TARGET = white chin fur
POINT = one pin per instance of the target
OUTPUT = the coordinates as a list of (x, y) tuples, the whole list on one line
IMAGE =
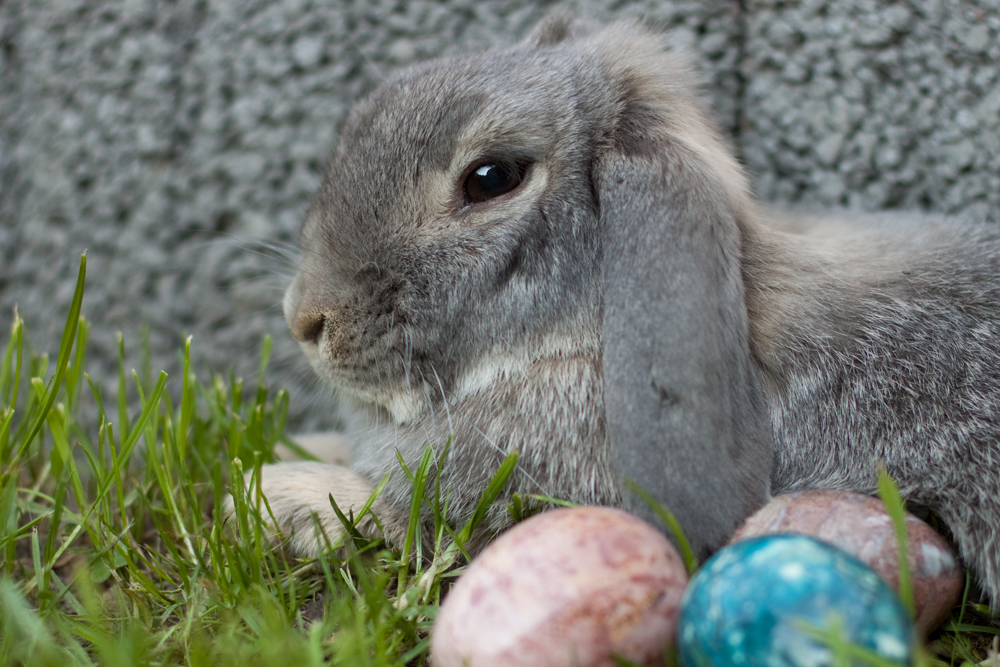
[(500, 364), (488, 370), (404, 405), (410, 404)]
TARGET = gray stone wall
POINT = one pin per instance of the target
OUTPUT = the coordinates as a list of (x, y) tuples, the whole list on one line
[(874, 104), (179, 142)]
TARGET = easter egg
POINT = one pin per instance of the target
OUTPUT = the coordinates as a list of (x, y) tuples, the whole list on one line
[(569, 587), (861, 526), (757, 603)]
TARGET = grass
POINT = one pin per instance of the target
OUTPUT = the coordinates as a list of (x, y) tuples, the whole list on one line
[(114, 550)]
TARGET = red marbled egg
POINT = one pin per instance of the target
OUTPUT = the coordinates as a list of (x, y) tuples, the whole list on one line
[(566, 587), (861, 526)]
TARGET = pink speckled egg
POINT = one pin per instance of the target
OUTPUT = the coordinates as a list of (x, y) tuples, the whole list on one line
[(566, 587), (860, 526)]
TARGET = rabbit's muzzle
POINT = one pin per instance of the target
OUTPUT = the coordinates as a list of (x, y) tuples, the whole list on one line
[(307, 326), (358, 342)]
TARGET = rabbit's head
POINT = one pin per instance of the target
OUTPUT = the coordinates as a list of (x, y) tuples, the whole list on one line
[(566, 196)]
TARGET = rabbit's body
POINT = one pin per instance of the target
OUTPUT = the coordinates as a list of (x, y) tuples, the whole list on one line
[(888, 353), (549, 249)]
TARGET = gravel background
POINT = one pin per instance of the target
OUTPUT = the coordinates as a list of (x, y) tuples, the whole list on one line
[(179, 142)]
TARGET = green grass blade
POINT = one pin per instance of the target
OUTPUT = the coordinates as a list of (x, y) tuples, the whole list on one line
[(8, 523), (24, 637), (489, 496), (350, 526), (187, 403), (150, 408), (6, 422), (65, 346), (74, 374), (265, 357), (123, 425), (845, 652), (413, 530), (95, 391), (889, 493), (57, 427), (670, 521), (10, 370), (549, 500)]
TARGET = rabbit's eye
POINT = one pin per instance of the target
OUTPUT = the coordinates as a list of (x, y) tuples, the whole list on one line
[(491, 180)]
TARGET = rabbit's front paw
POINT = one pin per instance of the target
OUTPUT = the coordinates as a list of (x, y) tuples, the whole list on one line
[(299, 490)]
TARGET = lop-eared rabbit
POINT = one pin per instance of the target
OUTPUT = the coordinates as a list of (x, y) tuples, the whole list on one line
[(550, 249)]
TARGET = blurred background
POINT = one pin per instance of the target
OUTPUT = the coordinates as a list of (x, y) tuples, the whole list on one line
[(179, 141)]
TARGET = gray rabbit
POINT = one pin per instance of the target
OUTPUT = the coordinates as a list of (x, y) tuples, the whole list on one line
[(550, 249)]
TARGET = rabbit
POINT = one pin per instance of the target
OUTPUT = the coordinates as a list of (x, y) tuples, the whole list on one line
[(550, 249)]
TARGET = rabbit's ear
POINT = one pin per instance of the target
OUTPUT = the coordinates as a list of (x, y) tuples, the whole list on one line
[(686, 418), (555, 28)]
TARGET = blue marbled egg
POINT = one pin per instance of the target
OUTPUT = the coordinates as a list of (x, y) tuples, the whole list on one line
[(748, 605)]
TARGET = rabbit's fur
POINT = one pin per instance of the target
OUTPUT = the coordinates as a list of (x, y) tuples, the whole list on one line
[(628, 310)]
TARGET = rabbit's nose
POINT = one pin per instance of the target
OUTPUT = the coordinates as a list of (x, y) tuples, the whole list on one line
[(307, 326)]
